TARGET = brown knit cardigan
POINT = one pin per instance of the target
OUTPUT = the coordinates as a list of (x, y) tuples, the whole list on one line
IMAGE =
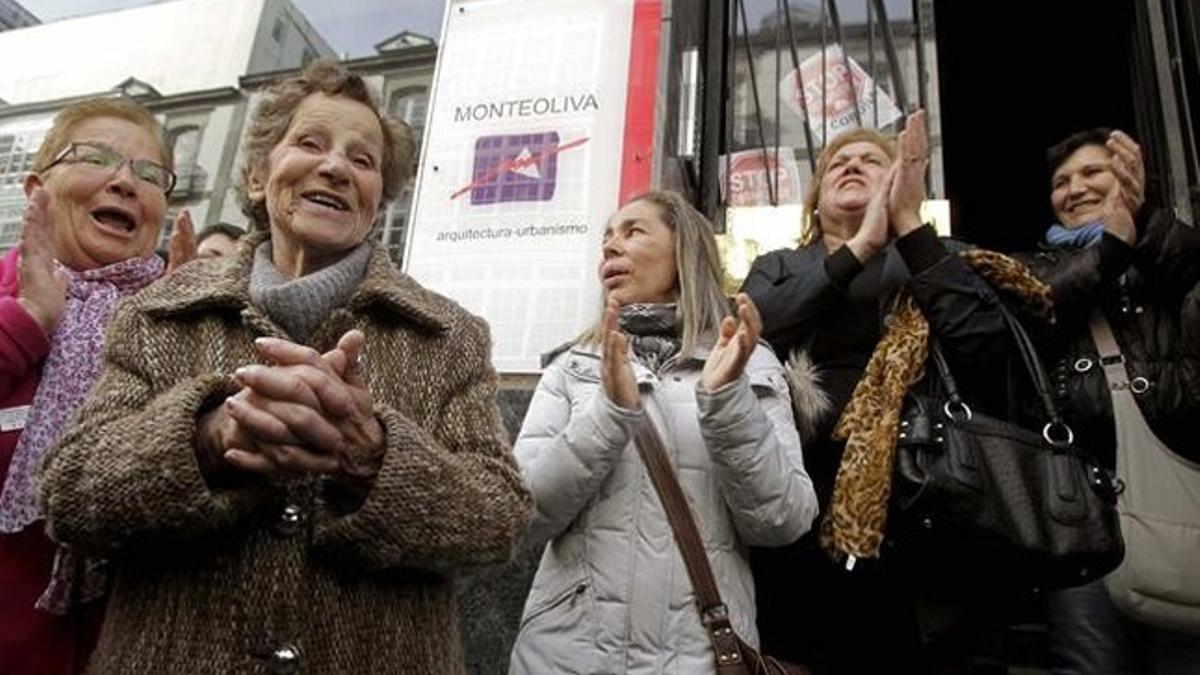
[(220, 578)]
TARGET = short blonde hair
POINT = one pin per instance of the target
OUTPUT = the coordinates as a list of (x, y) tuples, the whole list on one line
[(810, 231), (121, 108), (273, 116), (701, 304)]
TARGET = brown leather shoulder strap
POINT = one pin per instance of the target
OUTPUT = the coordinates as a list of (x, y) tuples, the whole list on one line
[(679, 514), (727, 647)]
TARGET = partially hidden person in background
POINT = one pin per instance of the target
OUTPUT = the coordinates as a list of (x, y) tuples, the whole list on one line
[(218, 240)]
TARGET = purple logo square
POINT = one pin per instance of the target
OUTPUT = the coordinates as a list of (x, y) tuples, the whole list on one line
[(515, 168)]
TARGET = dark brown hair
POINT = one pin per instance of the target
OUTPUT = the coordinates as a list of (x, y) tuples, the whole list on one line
[(1060, 151), (232, 231)]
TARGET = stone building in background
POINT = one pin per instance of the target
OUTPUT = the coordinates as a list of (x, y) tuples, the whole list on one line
[(203, 94)]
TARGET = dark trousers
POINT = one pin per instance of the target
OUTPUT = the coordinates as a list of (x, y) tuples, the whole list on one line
[(1090, 636), (815, 613)]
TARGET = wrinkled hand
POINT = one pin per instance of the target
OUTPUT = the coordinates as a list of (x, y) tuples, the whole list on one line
[(734, 346), (309, 413), (908, 189), (43, 290), (1130, 170), (182, 248), (216, 433), (616, 375), (310, 410), (872, 235)]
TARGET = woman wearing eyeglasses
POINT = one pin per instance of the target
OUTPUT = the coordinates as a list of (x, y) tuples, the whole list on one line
[(95, 211)]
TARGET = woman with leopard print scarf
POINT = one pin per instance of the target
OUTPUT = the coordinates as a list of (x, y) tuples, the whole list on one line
[(612, 594), (824, 305)]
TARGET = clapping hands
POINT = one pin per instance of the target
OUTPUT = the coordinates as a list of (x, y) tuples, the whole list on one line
[(726, 362), (182, 247), (894, 209), (307, 413), (43, 292), (735, 343), (907, 188), (1129, 190), (616, 374), (1126, 163)]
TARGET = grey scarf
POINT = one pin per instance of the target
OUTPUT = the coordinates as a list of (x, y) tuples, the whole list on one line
[(300, 305), (653, 330)]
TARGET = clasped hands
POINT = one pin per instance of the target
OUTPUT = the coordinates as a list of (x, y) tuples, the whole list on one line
[(735, 343), (309, 413)]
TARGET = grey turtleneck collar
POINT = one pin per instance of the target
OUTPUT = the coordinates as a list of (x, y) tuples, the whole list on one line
[(300, 305)]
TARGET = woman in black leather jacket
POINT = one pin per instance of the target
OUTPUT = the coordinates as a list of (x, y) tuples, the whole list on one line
[(1139, 266), (822, 306)]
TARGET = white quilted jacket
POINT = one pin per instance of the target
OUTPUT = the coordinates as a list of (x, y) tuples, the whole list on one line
[(611, 594)]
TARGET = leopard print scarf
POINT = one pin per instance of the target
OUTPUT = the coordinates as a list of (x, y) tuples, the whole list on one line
[(853, 526)]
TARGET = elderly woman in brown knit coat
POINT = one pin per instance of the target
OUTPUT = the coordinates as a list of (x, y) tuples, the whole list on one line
[(291, 450)]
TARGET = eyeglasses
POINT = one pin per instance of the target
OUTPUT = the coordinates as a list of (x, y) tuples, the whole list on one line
[(102, 157)]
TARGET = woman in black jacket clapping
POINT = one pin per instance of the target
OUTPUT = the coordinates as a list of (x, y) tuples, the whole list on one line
[(823, 306)]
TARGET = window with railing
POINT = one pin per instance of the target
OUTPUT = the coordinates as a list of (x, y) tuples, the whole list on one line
[(18, 148), (395, 227), (798, 74), (191, 177), (410, 105)]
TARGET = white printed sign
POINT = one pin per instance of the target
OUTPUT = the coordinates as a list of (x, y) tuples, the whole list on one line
[(830, 100), (521, 166)]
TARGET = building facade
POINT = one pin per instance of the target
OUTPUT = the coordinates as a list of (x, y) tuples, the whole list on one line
[(204, 111), (13, 15)]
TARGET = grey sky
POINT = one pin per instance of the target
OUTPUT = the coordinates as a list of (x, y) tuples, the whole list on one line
[(352, 26), (355, 26)]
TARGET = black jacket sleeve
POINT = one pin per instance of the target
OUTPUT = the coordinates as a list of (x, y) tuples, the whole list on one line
[(962, 309), (793, 289), (1167, 254), (1080, 279)]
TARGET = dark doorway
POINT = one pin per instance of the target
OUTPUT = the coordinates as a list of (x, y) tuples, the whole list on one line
[(1014, 79)]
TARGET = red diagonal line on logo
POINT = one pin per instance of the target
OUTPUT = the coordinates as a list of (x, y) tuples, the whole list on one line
[(511, 164)]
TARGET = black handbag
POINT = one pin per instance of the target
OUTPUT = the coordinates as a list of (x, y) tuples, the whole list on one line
[(980, 498)]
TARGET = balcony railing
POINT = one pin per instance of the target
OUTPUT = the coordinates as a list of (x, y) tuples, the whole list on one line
[(191, 181)]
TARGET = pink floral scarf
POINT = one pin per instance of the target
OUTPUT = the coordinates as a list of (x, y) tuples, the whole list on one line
[(70, 370)]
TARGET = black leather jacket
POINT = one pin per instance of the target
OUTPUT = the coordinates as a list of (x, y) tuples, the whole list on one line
[(795, 289), (1149, 294), (805, 296)]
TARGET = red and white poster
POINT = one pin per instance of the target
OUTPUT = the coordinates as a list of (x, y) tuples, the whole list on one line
[(750, 173), (830, 99), (541, 122)]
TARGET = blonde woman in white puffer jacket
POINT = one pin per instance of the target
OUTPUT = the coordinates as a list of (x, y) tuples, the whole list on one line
[(611, 594)]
